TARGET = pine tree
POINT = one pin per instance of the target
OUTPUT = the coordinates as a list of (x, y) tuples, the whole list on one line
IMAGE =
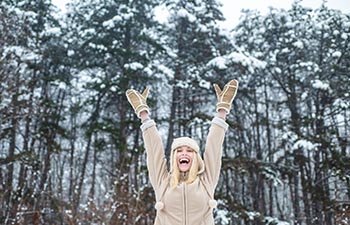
[(32, 76), (301, 48), (192, 39), (113, 45)]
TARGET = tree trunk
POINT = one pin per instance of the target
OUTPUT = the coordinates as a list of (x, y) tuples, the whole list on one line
[(8, 197), (173, 111)]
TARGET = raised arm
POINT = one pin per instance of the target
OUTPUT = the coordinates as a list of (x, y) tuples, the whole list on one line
[(156, 162), (215, 138)]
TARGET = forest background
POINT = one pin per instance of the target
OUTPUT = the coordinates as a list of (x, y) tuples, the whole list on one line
[(70, 145)]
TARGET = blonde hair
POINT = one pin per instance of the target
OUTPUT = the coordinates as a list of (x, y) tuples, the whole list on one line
[(175, 172)]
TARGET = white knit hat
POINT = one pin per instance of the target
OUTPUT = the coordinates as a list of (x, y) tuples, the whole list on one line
[(185, 141)]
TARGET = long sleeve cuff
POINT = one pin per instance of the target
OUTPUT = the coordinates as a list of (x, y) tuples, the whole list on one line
[(147, 124), (220, 122)]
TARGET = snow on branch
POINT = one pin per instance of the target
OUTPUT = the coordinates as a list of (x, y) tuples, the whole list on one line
[(321, 85), (305, 145), (225, 61)]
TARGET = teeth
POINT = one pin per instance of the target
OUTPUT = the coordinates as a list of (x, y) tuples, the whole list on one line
[(184, 160)]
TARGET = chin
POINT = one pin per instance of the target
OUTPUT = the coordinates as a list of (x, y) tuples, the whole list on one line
[(184, 170)]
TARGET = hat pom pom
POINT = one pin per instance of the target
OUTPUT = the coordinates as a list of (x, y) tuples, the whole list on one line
[(212, 203), (159, 205)]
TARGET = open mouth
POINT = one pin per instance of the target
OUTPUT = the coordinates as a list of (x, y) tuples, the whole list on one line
[(184, 161)]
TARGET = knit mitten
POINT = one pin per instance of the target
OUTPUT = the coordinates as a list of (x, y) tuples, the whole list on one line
[(138, 101), (226, 96)]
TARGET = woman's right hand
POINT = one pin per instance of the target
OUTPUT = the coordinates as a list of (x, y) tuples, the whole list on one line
[(138, 101)]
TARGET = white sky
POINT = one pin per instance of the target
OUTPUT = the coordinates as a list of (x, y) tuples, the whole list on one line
[(232, 8)]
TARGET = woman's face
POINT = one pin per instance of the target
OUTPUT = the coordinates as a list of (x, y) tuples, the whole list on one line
[(184, 158)]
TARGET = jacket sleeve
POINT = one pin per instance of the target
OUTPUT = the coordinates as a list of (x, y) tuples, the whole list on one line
[(213, 152), (156, 162)]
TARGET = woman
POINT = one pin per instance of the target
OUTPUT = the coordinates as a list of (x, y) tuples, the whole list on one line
[(185, 193)]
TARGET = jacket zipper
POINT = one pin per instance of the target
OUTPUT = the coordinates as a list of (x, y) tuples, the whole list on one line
[(185, 203)]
